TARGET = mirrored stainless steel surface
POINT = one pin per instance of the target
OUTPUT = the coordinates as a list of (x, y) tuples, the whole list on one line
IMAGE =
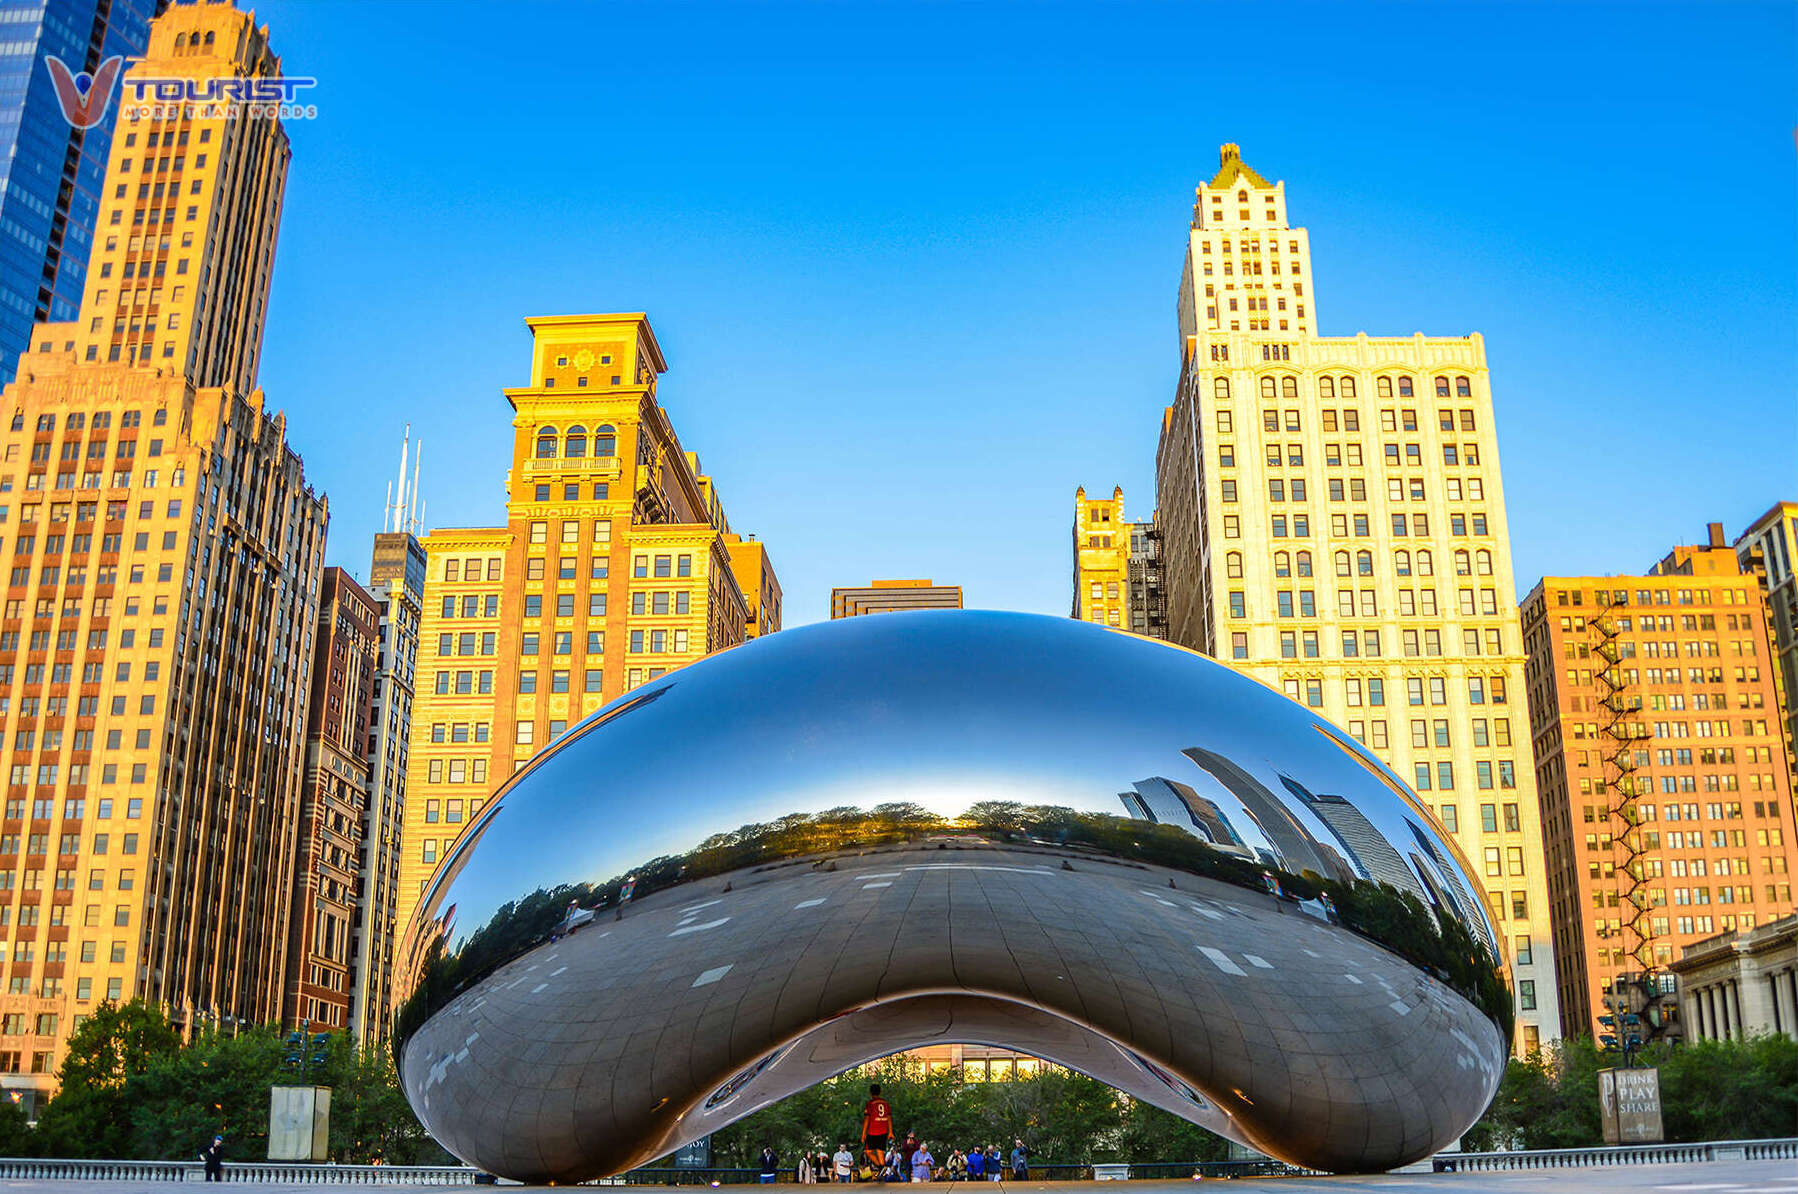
[(843, 840)]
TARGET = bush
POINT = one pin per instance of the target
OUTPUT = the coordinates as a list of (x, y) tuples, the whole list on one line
[(1710, 1090)]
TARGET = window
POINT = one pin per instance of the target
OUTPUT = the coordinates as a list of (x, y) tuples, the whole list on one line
[(546, 443)]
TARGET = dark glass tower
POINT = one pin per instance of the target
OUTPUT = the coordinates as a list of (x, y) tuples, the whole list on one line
[(51, 171)]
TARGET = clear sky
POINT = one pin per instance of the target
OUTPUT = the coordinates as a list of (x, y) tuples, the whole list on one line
[(914, 266)]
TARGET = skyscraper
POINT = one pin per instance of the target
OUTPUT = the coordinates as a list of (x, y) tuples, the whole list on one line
[(1333, 524), (327, 873), (156, 641), (614, 566), (1768, 550), (50, 168), (396, 581), (185, 248), (1666, 792), (1117, 567)]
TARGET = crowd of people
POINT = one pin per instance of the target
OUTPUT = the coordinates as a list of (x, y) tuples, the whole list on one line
[(887, 1157)]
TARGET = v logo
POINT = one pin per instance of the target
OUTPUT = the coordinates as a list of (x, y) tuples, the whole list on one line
[(84, 98)]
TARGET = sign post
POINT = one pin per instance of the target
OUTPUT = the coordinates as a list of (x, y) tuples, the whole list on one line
[(1629, 1103)]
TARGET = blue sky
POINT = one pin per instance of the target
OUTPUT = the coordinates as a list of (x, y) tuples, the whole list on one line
[(914, 266)]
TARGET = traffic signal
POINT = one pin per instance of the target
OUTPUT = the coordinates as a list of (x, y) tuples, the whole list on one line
[(296, 1048), (321, 1045)]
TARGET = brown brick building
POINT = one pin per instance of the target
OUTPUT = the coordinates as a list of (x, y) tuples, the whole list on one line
[(333, 804)]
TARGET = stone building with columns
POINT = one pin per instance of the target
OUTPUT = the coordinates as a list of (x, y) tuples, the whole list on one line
[(1741, 984)]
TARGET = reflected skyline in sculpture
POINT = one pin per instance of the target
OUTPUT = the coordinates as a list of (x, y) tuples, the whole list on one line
[(1149, 882)]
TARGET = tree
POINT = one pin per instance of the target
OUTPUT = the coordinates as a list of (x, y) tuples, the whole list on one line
[(1710, 1090), (114, 1045)]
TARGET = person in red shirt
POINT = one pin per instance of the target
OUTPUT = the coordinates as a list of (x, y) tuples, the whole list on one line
[(877, 1126)]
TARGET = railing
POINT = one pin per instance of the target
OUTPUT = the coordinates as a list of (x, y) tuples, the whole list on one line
[(1624, 1154), (281, 1172), (328, 1174)]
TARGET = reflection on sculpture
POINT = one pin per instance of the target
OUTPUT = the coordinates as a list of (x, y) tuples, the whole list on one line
[(853, 838)]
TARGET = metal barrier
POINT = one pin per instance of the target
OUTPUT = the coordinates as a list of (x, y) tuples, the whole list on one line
[(330, 1174), (273, 1172), (1626, 1154)]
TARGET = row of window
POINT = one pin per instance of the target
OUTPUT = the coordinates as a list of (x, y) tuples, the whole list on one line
[(571, 492), (1419, 690), (77, 420), (1286, 385), (572, 444), (1403, 526)]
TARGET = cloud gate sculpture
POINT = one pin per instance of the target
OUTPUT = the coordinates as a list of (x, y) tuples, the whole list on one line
[(848, 839)]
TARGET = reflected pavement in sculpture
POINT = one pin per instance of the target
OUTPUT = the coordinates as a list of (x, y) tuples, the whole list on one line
[(852, 838)]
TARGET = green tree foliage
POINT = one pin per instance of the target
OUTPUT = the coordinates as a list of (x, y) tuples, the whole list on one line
[(1065, 1118), (113, 1047), (130, 1089), (1710, 1090)]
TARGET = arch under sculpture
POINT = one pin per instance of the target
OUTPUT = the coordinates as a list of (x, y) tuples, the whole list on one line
[(843, 840)]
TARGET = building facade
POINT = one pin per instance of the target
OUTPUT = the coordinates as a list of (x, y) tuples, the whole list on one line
[(1333, 524), (1666, 794), (397, 584), (614, 566), (1768, 549), (327, 874), (1741, 984), (1117, 567), (893, 596), (761, 588), (156, 642), (51, 171)]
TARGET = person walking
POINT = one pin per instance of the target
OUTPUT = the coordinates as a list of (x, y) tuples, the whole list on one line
[(877, 1127), (770, 1171), (214, 1156), (1020, 1161), (976, 1164), (842, 1166), (921, 1163)]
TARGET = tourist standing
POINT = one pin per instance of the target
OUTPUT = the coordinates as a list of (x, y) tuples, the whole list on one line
[(976, 1164), (214, 1156), (995, 1163), (770, 1171), (921, 1163), (843, 1164), (802, 1172), (1020, 1161)]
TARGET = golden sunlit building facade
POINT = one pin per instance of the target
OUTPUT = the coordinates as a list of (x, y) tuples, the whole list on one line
[(184, 248), (1333, 524), (1117, 567), (616, 564), (1768, 550), (1666, 792), (165, 558)]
